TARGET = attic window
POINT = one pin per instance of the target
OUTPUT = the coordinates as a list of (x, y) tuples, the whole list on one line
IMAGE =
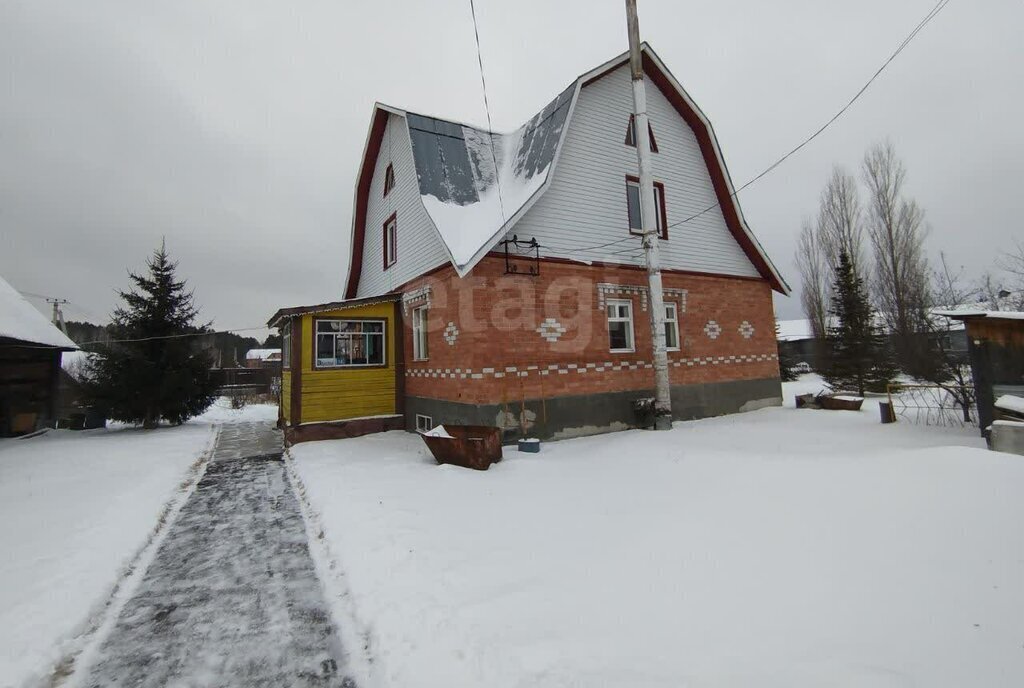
[(389, 179), (631, 134), (634, 209)]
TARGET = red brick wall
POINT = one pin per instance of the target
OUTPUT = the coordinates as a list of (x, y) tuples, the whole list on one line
[(498, 355)]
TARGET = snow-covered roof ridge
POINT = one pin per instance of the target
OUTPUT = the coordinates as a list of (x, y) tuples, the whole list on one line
[(476, 183), (20, 320), (261, 354)]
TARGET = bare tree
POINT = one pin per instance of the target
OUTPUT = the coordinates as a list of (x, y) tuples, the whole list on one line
[(895, 225), (988, 290), (948, 289), (815, 278), (839, 221), (1012, 262), (941, 364)]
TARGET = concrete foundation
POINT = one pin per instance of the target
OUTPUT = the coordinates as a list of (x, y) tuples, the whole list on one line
[(591, 414)]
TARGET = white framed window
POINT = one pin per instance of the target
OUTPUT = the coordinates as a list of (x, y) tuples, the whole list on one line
[(349, 343), (620, 325), (424, 423), (671, 327), (390, 241), (419, 333), (635, 210), (286, 344)]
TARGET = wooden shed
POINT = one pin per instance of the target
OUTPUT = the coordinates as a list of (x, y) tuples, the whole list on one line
[(342, 368), (30, 353), (995, 345)]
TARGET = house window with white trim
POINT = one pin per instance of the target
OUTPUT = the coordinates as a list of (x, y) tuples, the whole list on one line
[(390, 241), (419, 333), (671, 327), (424, 423), (620, 325), (635, 209), (349, 343)]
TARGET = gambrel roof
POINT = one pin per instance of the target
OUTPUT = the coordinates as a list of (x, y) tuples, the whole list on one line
[(475, 184)]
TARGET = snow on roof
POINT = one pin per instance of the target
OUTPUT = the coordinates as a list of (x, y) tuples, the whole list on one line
[(262, 354), (1009, 402), (473, 182), (793, 330), (972, 313), (19, 319)]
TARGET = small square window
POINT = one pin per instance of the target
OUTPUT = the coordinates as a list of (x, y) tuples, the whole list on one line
[(620, 326), (424, 423)]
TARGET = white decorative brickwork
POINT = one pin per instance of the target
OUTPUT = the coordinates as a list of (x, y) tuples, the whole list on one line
[(415, 297), (451, 333), (746, 329), (677, 296), (606, 290), (581, 368), (712, 329), (551, 330)]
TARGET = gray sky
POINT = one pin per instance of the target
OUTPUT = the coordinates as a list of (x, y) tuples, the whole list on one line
[(234, 128)]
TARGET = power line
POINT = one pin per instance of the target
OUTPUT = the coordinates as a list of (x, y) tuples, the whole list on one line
[(143, 339), (938, 7), (487, 108), (906, 41)]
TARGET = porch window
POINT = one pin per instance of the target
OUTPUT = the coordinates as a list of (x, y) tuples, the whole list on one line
[(390, 241), (620, 326), (419, 333), (635, 210), (671, 327), (286, 344), (389, 179), (349, 343)]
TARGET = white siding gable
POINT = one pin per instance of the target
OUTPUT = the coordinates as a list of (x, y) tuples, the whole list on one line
[(586, 202), (419, 248)]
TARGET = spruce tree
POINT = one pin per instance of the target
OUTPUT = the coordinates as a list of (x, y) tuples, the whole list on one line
[(786, 361), (150, 371), (859, 356)]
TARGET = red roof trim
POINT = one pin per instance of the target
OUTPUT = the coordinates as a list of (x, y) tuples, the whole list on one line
[(377, 127), (715, 169)]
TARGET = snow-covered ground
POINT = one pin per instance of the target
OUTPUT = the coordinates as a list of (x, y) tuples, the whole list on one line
[(75, 509), (777, 548)]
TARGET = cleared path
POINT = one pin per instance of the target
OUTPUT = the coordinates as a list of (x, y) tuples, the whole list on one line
[(232, 597)]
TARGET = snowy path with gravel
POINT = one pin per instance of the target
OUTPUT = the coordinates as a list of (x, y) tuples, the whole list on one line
[(232, 597)]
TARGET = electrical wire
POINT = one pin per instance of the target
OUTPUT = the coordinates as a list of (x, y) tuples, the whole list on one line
[(906, 41), (141, 339), (487, 108)]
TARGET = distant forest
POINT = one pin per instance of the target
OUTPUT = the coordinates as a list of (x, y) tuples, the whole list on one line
[(229, 348)]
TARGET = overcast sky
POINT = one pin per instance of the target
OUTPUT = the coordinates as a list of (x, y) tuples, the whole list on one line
[(234, 128)]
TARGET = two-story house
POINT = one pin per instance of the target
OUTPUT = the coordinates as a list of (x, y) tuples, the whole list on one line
[(499, 279)]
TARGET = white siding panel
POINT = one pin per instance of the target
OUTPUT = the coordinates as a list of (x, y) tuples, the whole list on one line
[(419, 248), (586, 202)]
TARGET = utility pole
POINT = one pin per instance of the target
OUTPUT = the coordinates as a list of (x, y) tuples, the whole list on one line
[(649, 226), (58, 316)]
